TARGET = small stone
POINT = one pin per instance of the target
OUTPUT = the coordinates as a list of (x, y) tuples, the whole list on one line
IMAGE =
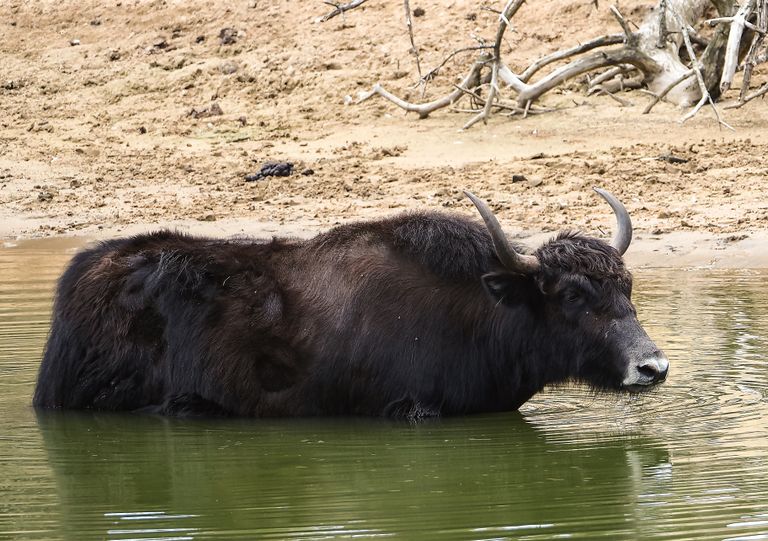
[(228, 36), (519, 178), (207, 218), (308, 172), (535, 182), (95, 22), (114, 54), (228, 68), (142, 130), (74, 42), (199, 39), (212, 110), (418, 12)]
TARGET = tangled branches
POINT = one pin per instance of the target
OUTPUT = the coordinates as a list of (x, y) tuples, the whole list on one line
[(658, 55)]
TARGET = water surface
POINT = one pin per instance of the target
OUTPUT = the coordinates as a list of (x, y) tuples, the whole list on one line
[(689, 461)]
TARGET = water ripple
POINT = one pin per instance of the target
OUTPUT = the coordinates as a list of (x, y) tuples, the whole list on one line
[(686, 461)]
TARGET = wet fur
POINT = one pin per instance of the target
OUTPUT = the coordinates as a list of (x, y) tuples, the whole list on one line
[(410, 316)]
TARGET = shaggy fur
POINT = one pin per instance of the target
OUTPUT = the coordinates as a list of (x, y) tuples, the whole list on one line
[(410, 316)]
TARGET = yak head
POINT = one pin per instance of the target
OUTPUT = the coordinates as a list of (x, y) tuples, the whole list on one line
[(579, 291)]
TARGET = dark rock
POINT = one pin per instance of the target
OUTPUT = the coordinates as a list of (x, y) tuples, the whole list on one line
[(308, 172), (272, 169), (519, 178), (228, 36), (213, 109), (199, 39), (418, 12), (142, 130)]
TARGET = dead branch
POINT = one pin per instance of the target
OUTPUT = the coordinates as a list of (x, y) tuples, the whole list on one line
[(592, 62), (341, 8), (622, 22), (662, 42), (734, 44), (752, 59), (622, 102), (660, 96), (696, 66), (653, 50), (507, 13), (424, 109), (608, 74), (602, 41), (415, 50), (756, 94), (431, 74)]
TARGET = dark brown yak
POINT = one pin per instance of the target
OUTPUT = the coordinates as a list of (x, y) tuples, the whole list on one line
[(422, 314)]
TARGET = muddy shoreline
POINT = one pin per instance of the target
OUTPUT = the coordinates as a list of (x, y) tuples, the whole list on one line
[(151, 120)]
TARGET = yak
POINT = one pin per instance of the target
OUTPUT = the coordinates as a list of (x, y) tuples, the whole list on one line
[(419, 315)]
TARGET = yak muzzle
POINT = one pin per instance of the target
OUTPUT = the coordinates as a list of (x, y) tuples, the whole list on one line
[(646, 372)]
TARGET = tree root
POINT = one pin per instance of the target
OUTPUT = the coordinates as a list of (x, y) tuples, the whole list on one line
[(651, 53)]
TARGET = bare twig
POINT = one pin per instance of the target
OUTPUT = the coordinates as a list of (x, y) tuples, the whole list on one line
[(424, 109), (622, 22), (609, 74), (602, 41), (431, 74), (684, 77), (510, 8), (341, 8), (415, 50), (705, 97), (624, 103), (762, 91)]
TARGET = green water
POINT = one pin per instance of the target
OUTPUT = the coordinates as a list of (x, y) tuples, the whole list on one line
[(689, 461)]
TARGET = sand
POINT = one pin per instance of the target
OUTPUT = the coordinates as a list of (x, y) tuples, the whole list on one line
[(105, 130)]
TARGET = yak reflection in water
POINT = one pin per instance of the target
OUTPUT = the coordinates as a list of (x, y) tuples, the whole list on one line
[(156, 477)]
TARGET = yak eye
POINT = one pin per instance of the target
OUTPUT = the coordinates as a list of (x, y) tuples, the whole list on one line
[(572, 296)]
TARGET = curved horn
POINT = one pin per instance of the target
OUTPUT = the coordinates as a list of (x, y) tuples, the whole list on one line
[(623, 235), (525, 264)]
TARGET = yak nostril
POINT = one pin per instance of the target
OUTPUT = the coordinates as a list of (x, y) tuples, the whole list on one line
[(649, 370), (655, 368)]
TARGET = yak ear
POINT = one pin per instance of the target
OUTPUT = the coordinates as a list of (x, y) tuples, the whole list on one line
[(508, 288)]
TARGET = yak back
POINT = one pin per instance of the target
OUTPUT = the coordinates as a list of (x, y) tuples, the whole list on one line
[(395, 313), (365, 317)]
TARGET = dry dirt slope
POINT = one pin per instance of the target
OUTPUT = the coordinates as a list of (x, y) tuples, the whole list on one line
[(112, 131)]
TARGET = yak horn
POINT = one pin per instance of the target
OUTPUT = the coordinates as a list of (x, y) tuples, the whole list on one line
[(623, 235), (521, 263)]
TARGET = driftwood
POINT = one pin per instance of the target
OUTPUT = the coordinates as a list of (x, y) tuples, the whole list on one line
[(646, 57)]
